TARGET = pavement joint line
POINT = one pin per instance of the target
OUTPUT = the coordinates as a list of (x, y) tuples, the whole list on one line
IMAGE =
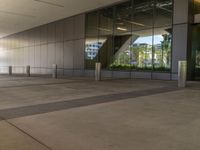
[(30, 85), (25, 133), (32, 79), (31, 110)]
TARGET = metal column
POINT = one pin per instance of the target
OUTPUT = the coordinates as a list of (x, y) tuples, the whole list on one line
[(182, 74), (54, 73), (10, 70), (98, 72), (28, 71)]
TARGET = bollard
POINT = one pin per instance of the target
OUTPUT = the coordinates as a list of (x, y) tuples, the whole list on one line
[(28, 71), (182, 74), (10, 70), (98, 72), (54, 73)]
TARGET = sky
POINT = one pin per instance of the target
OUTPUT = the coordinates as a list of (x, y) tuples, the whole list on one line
[(148, 39)]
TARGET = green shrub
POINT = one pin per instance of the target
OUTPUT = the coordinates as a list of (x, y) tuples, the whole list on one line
[(122, 67), (165, 69), (133, 67)]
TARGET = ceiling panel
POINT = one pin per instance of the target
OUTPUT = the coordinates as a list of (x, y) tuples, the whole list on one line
[(19, 15)]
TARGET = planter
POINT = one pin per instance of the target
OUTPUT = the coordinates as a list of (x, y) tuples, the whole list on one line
[(141, 75), (121, 74), (161, 76), (89, 73), (106, 74)]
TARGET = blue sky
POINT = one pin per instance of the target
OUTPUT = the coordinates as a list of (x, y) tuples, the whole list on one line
[(148, 39)]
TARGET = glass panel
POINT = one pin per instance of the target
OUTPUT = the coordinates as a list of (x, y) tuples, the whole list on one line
[(106, 35), (123, 23), (122, 35), (196, 52), (106, 21), (195, 56), (162, 48), (92, 23), (142, 14), (197, 67), (92, 47), (141, 49), (163, 13), (138, 55), (196, 6)]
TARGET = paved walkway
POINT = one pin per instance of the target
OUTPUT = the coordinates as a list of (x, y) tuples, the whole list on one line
[(78, 113)]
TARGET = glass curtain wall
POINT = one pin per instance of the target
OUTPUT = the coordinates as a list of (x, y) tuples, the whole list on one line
[(195, 57), (136, 34), (196, 52), (196, 9)]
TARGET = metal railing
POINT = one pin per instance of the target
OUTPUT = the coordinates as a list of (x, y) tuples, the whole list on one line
[(97, 74)]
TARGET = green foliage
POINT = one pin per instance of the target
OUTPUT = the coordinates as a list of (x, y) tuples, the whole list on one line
[(144, 69), (162, 69), (122, 67), (197, 69), (133, 67)]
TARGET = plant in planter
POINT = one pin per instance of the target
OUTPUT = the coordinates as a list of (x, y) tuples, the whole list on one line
[(133, 67)]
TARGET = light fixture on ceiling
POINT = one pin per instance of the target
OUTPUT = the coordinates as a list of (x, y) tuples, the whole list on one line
[(104, 29), (120, 23), (121, 29), (49, 3), (135, 23)]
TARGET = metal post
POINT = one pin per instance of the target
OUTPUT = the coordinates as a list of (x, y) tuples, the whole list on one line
[(182, 74), (10, 70), (28, 71), (54, 73), (98, 72)]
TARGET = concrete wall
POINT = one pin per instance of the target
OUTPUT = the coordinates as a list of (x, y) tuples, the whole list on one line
[(61, 42)]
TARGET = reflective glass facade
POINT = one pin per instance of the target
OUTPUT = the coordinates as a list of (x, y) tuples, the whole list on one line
[(136, 34), (196, 5), (195, 60)]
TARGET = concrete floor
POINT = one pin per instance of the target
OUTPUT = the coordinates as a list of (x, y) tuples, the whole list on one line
[(81, 114)]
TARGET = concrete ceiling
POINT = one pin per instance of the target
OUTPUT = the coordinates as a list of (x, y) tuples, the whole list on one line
[(20, 15)]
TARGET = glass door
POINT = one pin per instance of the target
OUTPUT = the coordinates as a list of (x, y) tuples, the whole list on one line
[(196, 51)]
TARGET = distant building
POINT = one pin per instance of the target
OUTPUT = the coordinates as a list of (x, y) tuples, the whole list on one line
[(92, 49)]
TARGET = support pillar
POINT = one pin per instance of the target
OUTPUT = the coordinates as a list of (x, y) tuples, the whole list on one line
[(28, 71), (54, 73), (182, 74), (98, 72), (10, 70)]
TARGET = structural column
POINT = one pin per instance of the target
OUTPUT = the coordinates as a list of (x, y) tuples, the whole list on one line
[(98, 72), (54, 69), (28, 71), (10, 70), (180, 34)]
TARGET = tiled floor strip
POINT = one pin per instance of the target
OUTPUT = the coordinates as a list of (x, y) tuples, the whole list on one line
[(63, 105)]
